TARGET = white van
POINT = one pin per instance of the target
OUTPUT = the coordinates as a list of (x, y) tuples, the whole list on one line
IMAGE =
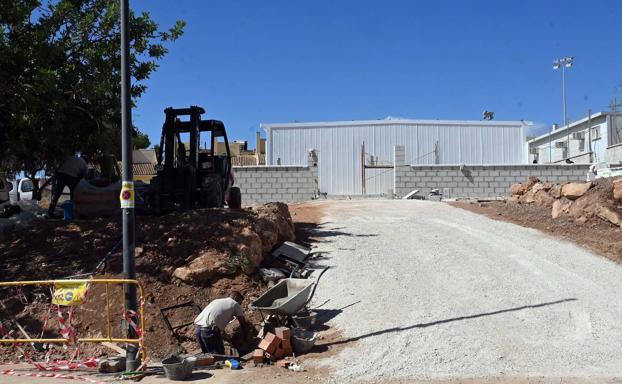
[(5, 187), (22, 190)]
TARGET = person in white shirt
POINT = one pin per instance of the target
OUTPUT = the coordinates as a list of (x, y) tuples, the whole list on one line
[(211, 322), (68, 175)]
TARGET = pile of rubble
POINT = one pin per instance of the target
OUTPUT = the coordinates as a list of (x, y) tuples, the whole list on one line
[(192, 256), (582, 201)]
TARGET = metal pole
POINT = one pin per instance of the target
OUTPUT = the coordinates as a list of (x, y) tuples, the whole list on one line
[(129, 243), (565, 118), (589, 134), (363, 192), (551, 144)]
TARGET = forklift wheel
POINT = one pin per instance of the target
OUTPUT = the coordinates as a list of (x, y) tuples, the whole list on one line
[(235, 198)]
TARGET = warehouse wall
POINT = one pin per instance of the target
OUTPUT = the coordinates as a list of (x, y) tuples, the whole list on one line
[(264, 184), (481, 181), (614, 154), (339, 146)]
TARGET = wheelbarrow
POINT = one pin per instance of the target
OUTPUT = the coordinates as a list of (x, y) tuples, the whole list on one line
[(287, 297)]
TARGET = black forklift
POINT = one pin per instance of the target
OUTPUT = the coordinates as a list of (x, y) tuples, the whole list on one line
[(188, 176)]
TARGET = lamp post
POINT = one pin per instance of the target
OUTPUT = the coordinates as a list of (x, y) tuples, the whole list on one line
[(563, 63), (127, 191)]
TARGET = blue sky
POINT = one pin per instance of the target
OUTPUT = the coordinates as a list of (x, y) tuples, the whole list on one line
[(252, 62)]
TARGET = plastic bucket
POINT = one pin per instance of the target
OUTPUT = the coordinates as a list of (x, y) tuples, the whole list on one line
[(68, 210), (178, 369), (302, 340), (305, 320)]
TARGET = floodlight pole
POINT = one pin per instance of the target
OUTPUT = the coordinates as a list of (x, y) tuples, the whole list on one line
[(564, 92), (129, 242), (563, 63)]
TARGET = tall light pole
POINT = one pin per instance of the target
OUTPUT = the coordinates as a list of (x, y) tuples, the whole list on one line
[(563, 63), (127, 190)]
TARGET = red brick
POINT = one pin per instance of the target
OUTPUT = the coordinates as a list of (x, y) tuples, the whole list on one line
[(286, 343), (269, 343), (258, 356), (280, 352), (271, 356), (283, 333), (287, 351)]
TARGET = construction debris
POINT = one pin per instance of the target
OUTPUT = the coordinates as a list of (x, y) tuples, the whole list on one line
[(596, 199), (219, 249)]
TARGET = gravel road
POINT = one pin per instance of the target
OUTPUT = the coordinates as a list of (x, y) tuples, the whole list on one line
[(422, 290)]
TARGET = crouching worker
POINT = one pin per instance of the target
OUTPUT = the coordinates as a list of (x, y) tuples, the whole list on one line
[(212, 321)]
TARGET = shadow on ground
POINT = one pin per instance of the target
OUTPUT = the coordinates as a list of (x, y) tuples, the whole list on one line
[(330, 314)]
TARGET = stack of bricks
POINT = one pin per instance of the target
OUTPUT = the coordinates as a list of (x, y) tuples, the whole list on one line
[(274, 346)]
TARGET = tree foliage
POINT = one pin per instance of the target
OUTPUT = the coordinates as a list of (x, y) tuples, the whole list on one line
[(60, 74), (140, 140)]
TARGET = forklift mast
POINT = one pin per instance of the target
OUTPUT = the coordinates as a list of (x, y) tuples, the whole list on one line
[(188, 172)]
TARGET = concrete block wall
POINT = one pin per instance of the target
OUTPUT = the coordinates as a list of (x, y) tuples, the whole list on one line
[(264, 184), (479, 181)]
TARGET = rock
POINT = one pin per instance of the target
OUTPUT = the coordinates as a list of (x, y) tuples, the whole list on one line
[(517, 189), (249, 246), (617, 189), (608, 215), (529, 197), (582, 207), (112, 365), (205, 268), (537, 187), (556, 211), (556, 191), (547, 185), (573, 191), (560, 207), (543, 199), (531, 181)]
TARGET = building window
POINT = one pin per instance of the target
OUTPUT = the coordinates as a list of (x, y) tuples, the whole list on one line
[(596, 133)]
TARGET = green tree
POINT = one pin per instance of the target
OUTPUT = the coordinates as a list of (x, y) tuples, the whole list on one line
[(60, 73), (140, 140)]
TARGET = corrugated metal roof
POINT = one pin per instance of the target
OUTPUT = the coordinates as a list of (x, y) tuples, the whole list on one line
[(346, 123)]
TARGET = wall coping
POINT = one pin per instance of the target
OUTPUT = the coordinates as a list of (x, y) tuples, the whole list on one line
[(466, 166), (269, 167)]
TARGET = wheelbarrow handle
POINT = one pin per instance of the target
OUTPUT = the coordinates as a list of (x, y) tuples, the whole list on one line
[(315, 286)]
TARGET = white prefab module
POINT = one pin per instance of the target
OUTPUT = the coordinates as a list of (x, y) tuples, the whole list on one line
[(339, 146)]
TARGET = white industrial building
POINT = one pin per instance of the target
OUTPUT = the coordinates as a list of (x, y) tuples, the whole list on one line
[(592, 139), (339, 144)]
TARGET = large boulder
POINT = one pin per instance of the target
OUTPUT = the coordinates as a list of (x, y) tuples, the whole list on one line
[(205, 268), (560, 206), (531, 181), (617, 189), (518, 189), (529, 197), (556, 191), (537, 187), (249, 250), (542, 198), (608, 215), (573, 191)]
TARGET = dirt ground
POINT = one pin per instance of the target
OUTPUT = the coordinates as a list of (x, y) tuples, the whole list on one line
[(160, 291), (596, 235), (56, 249)]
